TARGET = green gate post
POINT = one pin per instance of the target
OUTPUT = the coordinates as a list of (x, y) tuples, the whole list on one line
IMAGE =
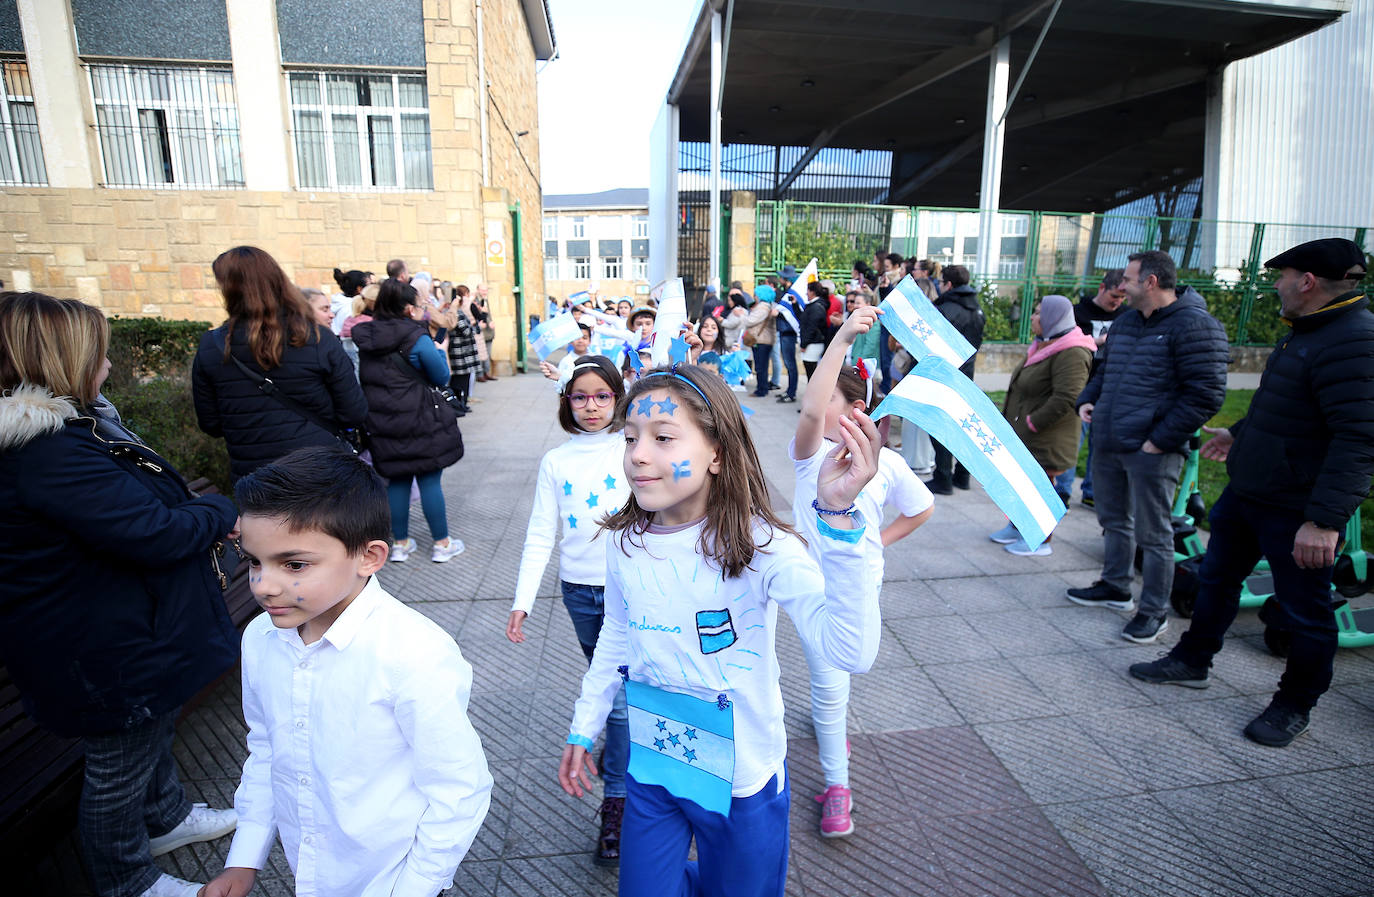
[(519, 264), (1360, 233), (1028, 278), (723, 275), (1151, 234), (1247, 302)]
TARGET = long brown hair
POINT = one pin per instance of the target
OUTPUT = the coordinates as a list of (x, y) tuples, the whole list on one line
[(738, 500), (258, 293), (59, 344)]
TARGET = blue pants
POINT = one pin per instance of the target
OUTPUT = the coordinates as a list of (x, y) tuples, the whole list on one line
[(762, 355), (431, 502), (1063, 484), (788, 342), (1242, 531), (587, 607), (742, 855)]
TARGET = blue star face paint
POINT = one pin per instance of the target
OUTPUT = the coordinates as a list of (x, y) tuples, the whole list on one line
[(681, 470), (667, 406), (645, 406)]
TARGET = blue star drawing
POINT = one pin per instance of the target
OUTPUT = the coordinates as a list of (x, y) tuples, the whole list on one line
[(677, 350), (610, 482), (662, 726), (922, 329), (667, 406), (572, 522), (681, 469), (659, 743), (567, 488), (689, 755), (591, 499), (690, 733), (991, 444), (970, 423), (674, 740), (645, 406)]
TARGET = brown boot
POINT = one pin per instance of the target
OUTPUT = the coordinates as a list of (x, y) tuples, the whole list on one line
[(608, 844)]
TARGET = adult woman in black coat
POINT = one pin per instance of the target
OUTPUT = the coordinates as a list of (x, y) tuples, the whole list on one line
[(111, 613), (413, 435), (314, 395)]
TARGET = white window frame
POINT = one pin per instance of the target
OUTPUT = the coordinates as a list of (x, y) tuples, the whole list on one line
[(612, 267), (327, 111), (579, 228), (581, 268), (551, 268), (550, 227), (1015, 225), (639, 268), (641, 227), (12, 78), (127, 78)]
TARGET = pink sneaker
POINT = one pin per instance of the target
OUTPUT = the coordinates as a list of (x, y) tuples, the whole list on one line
[(835, 819)]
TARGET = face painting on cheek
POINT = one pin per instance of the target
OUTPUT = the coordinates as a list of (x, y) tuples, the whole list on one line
[(681, 469)]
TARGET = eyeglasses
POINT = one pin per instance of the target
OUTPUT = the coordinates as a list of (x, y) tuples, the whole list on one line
[(602, 399)]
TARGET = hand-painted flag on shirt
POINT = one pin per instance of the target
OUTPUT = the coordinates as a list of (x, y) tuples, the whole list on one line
[(683, 744), (919, 326), (936, 397), (553, 335)]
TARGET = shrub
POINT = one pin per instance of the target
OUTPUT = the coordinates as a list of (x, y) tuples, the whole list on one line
[(143, 348)]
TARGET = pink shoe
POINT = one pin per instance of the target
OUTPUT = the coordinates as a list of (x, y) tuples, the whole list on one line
[(835, 819)]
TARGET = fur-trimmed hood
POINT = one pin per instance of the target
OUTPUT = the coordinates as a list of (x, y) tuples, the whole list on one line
[(28, 412)]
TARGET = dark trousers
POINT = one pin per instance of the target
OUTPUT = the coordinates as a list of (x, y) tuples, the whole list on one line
[(131, 792), (788, 342), (810, 368), (762, 356), (945, 465), (1242, 532), (885, 354)]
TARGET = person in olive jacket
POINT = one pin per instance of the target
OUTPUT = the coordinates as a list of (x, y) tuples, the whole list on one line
[(313, 395), (1299, 463), (111, 612), (1040, 399)]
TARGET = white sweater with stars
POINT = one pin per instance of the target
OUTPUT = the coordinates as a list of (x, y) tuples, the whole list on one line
[(578, 482)]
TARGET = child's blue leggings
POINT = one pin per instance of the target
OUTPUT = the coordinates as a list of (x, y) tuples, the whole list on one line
[(742, 855), (431, 502)]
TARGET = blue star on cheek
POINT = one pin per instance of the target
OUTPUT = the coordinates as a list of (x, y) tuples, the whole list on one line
[(681, 469), (667, 406), (567, 488), (645, 406), (689, 755), (591, 499), (660, 744), (690, 733), (610, 482), (572, 522), (662, 726), (674, 741)]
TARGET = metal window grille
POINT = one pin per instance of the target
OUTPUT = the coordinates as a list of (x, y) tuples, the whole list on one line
[(21, 155), (365, 131), (581, 268), (167, 127), (610, 267)]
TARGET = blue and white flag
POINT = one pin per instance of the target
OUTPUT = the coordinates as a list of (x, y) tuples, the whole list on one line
[(613, 347), (797, 294), (579, 297), (683, 744), (912, 318), (936, 397), (553, 335)]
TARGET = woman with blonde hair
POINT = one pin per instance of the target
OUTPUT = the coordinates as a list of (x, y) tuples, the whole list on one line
[(270, 379), (111, 614)]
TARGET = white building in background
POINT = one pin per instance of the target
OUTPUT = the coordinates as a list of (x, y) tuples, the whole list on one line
[(597, 241)]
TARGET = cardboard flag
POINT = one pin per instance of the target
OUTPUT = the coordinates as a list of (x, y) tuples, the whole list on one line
[(798, 291), (553, 335), (914, 319), (579, 297), (936, 397), (613, 347), (734, 367), (672, 314)]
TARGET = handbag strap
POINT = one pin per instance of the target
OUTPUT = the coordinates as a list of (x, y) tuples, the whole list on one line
[(269, 388), (401, 361)]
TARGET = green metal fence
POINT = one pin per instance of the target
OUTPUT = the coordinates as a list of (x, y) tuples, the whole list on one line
[(1045, 252)]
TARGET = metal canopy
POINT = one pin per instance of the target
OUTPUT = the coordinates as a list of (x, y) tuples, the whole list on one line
[(1112, 108)]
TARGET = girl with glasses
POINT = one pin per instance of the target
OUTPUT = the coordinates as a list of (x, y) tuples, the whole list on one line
[(579, 483)]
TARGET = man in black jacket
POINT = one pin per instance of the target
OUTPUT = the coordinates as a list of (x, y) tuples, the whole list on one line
[(1162, 375), (1300, 463), (958, 302)]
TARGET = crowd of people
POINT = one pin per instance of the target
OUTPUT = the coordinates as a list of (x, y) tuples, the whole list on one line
[(338, 411)]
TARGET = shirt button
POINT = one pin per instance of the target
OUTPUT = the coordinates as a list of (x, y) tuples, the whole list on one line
[(308, 840), (305, 780), (300, 724), (305, 664)]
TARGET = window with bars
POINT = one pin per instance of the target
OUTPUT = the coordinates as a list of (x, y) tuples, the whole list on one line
[(639, 268), (368, 131), (581, 268), (610, 267), (167, 127), (551, 269), (21, 156)]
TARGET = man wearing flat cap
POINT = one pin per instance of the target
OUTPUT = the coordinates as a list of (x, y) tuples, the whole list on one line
[(1300, 463)]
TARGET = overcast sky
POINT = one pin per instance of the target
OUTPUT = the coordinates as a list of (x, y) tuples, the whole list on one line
[(598, 99)]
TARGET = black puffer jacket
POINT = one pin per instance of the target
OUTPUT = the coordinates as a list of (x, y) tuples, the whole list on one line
[(256, 427), (815, 328), (409, 431), (1160, 378), (1307, 442), (960, 307)]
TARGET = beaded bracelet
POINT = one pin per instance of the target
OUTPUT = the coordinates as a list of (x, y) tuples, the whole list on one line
[(816, 506)]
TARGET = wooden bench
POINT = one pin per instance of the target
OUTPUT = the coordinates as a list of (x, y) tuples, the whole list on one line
[(43, 772)]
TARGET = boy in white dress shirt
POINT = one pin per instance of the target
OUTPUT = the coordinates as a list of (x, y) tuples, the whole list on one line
[(361, 756)]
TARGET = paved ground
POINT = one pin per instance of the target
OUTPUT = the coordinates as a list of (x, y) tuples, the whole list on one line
[(999, 746)]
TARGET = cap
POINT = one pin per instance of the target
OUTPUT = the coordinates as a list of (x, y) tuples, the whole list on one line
[(1332, 258), (789, 272)]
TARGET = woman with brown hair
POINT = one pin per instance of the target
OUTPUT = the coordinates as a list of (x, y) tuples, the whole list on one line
[(269, 379)]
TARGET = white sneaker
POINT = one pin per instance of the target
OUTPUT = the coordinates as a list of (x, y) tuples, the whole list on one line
[(203, 824), (442, 554), (1019, 547), (171, 886), (401, 551)]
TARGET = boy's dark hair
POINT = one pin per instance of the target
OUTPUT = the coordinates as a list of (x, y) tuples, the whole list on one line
[(956, 275), (604, 368), (818, 289), (394, 299), (585, 328), (323, 489), (1160, 264), (895, 258)]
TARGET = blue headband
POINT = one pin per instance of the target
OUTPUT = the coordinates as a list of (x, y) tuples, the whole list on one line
[(673, 373)]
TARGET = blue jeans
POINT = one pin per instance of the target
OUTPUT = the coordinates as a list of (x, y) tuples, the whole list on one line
[(885, 354), (1242, 532), (762, 355), (1063, 484), (776, 357), (788, 342), (587, 607), (431, 502), (131, 791), (740, 855)]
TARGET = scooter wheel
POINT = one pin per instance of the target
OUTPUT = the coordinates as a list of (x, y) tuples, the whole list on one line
[(1277, 641), (1183, 604), (1343, 578)]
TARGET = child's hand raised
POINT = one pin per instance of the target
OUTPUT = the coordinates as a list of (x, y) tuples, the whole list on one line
[(848, 469), (860, 320), (576, 770)]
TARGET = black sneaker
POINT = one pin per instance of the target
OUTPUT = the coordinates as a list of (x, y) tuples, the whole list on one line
[(786, 398), (1277, 726), (961, 479), (1102, 594), (1169, 670), (1087, 501), (608, 841), (1144, 629), (940, 486)]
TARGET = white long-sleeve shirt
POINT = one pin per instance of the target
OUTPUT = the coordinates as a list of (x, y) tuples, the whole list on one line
[(658, 584), (360, 753), (578, 482)]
